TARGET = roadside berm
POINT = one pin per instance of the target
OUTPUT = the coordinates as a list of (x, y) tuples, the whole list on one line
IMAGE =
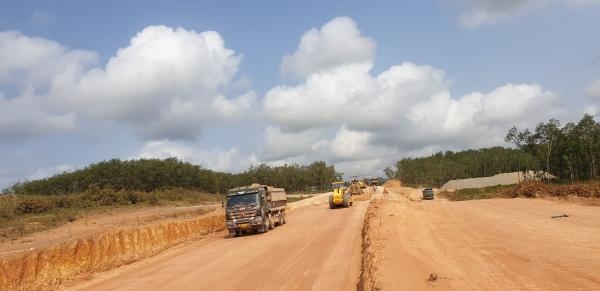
[(78, 258)]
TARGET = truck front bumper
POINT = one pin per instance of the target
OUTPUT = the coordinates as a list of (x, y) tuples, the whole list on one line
[(245, 223)]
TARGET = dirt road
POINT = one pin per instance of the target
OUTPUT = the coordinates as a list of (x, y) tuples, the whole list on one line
[(495, 244), (318, 249)]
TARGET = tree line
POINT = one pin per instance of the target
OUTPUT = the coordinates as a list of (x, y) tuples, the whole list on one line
[(439, 168), (570, 152), (155, 174)]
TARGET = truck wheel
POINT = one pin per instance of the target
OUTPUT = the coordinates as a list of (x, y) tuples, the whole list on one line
[(237, 233), (265, 227), (331, 206), (271, 223)]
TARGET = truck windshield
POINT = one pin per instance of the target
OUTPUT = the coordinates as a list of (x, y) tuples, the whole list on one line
[(242, 199)]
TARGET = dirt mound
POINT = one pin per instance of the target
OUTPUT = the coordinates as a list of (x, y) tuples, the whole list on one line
[(535, 189), (393, 183)]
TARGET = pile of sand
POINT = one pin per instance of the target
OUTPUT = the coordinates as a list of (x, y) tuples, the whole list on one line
[(395, 183), (499, 179)]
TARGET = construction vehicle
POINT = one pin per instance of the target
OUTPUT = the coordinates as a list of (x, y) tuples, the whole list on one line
[(427, 194), (340, 196), (374, 181), (355, 186), (254, 208)]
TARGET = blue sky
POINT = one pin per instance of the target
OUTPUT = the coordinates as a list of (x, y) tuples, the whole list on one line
[(433, 75)]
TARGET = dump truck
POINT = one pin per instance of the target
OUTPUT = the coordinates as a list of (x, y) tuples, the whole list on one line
[(254, 208), (340, 196)]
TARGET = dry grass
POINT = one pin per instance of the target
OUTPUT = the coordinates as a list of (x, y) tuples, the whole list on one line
[(24, 214)]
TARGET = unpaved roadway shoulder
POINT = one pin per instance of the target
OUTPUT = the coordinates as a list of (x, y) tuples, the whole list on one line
[(495, 244)]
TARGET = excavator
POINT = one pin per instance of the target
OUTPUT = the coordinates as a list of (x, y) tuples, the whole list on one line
[(340, 196)]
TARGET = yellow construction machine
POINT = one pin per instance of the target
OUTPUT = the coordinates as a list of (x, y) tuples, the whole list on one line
[(340, 196), (356, 186)]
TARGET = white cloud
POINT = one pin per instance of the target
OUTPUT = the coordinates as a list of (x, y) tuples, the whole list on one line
[(24, 116), (593, 90), (337, 42), (33, 61), (167, 83), (405, 109), (278, 145), (231, 160)]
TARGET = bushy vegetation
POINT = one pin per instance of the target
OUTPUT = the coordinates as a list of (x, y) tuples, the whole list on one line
[(570, 152), (41, 204), (441, 167), (149, 175)]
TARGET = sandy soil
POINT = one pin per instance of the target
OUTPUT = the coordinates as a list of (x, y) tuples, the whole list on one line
[(318, 249), (496, 244), (99, 222)]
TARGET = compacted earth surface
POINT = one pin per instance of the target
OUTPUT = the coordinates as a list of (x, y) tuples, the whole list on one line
[(494, 244), (318, 249)]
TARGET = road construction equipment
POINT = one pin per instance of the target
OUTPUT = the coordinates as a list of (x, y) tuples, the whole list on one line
[(374, 181), (427, 194), (355, 186), (256, 207), (340, 196)]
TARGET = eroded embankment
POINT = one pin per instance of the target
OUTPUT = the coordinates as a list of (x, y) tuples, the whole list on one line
[(67, 261)]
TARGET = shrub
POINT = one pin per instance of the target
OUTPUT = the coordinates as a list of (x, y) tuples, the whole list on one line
[(7, 207), (34, 205)]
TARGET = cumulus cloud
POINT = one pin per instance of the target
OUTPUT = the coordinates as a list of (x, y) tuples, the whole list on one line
[(24, 116), (231, 160), (278, 145), (405, 109), (338, 42), (168, 83), (593, 90), (33, 61)]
